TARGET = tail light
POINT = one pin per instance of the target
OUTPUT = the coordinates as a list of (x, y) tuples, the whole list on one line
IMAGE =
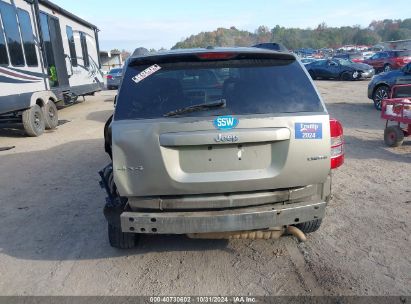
[(402, 60), (109, 77), (406, 59), (337, 143)]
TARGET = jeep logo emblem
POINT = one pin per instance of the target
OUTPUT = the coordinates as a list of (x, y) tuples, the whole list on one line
[(226, 138), (225, 122)]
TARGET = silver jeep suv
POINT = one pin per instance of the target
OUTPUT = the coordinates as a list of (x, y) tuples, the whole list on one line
[(225, 141)]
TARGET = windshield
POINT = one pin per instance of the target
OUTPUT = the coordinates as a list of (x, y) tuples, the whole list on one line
[(345, 62), (247, 86)]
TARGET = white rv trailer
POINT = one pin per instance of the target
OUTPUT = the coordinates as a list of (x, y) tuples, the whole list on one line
[(48, 57)]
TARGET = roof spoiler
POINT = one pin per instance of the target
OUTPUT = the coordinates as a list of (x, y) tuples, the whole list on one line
[(208, 55)]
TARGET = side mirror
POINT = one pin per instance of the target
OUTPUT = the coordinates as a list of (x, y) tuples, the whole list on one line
[(407, 69)]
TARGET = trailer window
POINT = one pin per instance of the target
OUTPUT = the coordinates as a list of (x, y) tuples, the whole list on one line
[(44, 25), (72, 46), (11, 29), (28, 37), (84, 49), (4, 60)]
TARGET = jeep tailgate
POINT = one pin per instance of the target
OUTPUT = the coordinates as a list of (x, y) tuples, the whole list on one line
[(175, 157)]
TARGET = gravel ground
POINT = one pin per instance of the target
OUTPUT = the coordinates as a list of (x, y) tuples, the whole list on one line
[(53, 233)]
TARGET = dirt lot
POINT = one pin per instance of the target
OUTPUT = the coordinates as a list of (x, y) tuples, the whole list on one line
[(53, 233)]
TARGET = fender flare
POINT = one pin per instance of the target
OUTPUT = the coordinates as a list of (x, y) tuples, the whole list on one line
[(43, 97)]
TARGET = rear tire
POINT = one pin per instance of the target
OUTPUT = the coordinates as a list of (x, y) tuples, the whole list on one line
[(310, 226), (393, 136), (380, 93), (51, 118), (121, 240), (33, 121)]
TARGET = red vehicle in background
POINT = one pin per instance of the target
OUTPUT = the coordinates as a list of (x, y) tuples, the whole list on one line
[(389, 60)]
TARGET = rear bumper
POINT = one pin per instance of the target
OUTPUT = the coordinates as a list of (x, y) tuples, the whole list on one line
[(113, 83), (239, 219)]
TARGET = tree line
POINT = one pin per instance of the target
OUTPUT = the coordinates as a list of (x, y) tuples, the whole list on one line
[(294, 38)]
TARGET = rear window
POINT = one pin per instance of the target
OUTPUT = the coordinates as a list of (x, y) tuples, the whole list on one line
[(248, 86), (115, 71), (403, 53)]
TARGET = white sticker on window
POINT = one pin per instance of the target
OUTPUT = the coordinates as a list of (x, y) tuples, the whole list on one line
[(147, 72)]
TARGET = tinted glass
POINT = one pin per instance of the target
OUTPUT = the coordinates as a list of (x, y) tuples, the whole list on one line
[(341, 61), (248, 86), (28, 38), (44, 24), (3, 50), (404, 53), (72, 45), (84, 49), (8, 15)]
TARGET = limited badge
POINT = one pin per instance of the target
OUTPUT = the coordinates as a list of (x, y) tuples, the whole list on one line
[(308, 130)]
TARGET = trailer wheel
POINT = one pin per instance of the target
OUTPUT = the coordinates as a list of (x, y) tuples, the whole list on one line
[(50, 115), (33, 121), (393, 136), (310, 226), (121, 240)]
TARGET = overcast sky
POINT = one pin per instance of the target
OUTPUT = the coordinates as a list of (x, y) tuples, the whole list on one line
[(128, 24)]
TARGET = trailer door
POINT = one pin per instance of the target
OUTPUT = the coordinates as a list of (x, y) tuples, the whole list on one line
[(53, 44)]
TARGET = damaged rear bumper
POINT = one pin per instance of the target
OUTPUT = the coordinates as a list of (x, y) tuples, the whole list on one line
[(239, 219)]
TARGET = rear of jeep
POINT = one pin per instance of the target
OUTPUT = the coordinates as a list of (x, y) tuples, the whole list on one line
[(221, 141)]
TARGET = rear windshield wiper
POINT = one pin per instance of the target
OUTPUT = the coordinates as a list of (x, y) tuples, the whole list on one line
[(221, 103)]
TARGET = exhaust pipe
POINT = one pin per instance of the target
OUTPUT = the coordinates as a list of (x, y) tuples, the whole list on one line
[(297, 233), (271, 234)]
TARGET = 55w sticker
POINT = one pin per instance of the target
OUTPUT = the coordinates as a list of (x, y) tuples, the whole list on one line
[(308, 130)]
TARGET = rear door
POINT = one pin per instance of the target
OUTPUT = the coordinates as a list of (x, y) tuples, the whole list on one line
[(374, 60), (333, 69), (55, 59), (382, 59), (404, 80), (273, 131), (320, 68)]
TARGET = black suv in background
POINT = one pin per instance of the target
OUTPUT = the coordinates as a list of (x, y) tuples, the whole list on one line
[(380, 85)]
